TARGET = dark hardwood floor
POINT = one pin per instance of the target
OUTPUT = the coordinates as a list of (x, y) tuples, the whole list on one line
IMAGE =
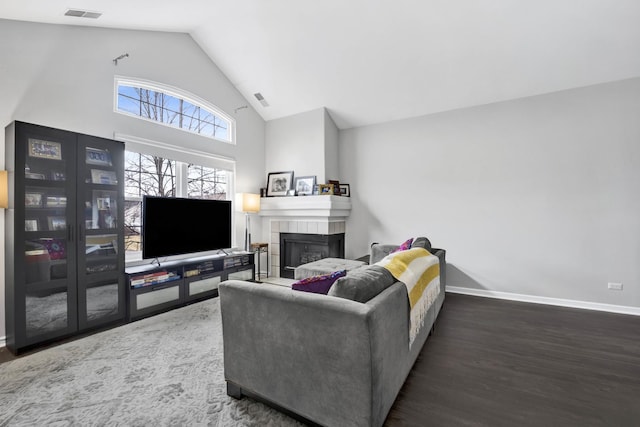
[(5, 355), (502, 363), (492, 362)]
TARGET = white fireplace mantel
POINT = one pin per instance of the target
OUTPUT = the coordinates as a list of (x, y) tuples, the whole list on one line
[(306, 206)]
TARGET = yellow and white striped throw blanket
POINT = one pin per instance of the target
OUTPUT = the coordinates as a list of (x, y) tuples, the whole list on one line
[(419, 270)]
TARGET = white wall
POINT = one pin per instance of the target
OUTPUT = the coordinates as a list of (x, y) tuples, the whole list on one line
[(296, 143), (306, 143), (63, 77), (331, 144), (538, 196)]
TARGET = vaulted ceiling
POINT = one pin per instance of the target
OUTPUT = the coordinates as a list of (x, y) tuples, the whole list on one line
[(372, 61)]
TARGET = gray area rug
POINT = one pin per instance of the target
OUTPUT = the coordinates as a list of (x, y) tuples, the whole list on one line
[(165, 370)]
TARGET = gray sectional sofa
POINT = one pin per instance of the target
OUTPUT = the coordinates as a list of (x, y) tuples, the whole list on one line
[(325, 360)]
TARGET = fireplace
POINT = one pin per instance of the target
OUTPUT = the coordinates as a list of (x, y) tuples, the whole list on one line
[(300, 248), (323, 216)]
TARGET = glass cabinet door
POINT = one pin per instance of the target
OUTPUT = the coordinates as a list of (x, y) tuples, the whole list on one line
[(49, 250), (64, 264), (101, 295)]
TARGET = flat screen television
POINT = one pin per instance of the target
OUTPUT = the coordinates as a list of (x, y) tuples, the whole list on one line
[(176, 226)]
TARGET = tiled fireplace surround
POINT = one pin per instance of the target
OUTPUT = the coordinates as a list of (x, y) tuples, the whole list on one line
[(323, 215)]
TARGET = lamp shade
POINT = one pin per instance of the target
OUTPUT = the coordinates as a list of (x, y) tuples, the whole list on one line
[(248, 202), (4, 190)]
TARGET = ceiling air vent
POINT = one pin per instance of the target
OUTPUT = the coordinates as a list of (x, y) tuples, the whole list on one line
[(82, 13), (260, 98)]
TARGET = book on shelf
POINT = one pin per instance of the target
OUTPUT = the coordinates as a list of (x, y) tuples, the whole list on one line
[(192, 272), (153, 279), (150, 275)]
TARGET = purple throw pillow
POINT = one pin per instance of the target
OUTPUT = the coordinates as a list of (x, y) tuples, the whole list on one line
[(318, 284), (55, 247), (406, 245)]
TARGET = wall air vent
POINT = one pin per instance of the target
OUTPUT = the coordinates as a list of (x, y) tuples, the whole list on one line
[(260, 98), (82, 13)]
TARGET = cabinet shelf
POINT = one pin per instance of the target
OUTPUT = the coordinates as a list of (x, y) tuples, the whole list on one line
[(187, 281), (49, 285), (100, 231), (101, 186)]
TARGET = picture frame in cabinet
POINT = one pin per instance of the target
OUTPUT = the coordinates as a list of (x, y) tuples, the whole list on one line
[(57, 223), (30, 225), (58, 176), (45, 149), (99, 176), (103, 203), (98, 157), (33, 200), (31, 175), (56, 202)]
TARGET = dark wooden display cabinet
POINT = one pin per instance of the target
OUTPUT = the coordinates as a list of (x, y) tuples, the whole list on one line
[(64, 235)]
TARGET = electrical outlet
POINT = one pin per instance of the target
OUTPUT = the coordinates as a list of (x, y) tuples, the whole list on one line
[(614, 286)]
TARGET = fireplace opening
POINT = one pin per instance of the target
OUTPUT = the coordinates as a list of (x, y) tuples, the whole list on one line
[(299, 248)]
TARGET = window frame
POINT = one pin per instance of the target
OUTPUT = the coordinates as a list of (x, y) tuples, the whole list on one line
[(184, 156), (176, 93)]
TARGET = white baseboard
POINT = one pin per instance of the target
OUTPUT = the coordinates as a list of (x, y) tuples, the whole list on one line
[(3, 341), (620, 309)]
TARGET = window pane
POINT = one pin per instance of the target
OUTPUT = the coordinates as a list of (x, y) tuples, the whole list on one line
[(207, 129), (128, 105), (155, 176), (221, 132), (173, 111), (149, 175), (207, 183), (133, 225), (131, 174)]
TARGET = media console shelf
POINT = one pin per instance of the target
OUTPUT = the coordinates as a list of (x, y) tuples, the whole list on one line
[(154, 289)]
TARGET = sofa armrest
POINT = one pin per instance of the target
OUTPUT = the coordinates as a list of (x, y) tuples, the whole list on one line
[(312, 354), (441, 254), (379, 251)]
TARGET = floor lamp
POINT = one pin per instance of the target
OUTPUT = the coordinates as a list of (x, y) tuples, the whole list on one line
[(248, 203)]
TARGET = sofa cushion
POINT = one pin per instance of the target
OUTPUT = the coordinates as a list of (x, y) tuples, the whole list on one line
[(325, 266), (379, 251), (318, 284), (362, 284), (55, 247)]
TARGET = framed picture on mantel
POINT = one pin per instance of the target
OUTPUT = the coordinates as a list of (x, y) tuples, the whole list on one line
[(305, 184), (279, 183), (336, 186)]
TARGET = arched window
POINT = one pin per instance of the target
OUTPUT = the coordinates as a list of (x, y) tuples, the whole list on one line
[(172, 107)]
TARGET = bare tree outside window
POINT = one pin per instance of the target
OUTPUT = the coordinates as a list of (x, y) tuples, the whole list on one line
[(206, 183), (156, 176), (173, 111), (144, 175)]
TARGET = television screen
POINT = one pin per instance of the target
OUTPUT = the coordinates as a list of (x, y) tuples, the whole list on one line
[(175, 226)]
